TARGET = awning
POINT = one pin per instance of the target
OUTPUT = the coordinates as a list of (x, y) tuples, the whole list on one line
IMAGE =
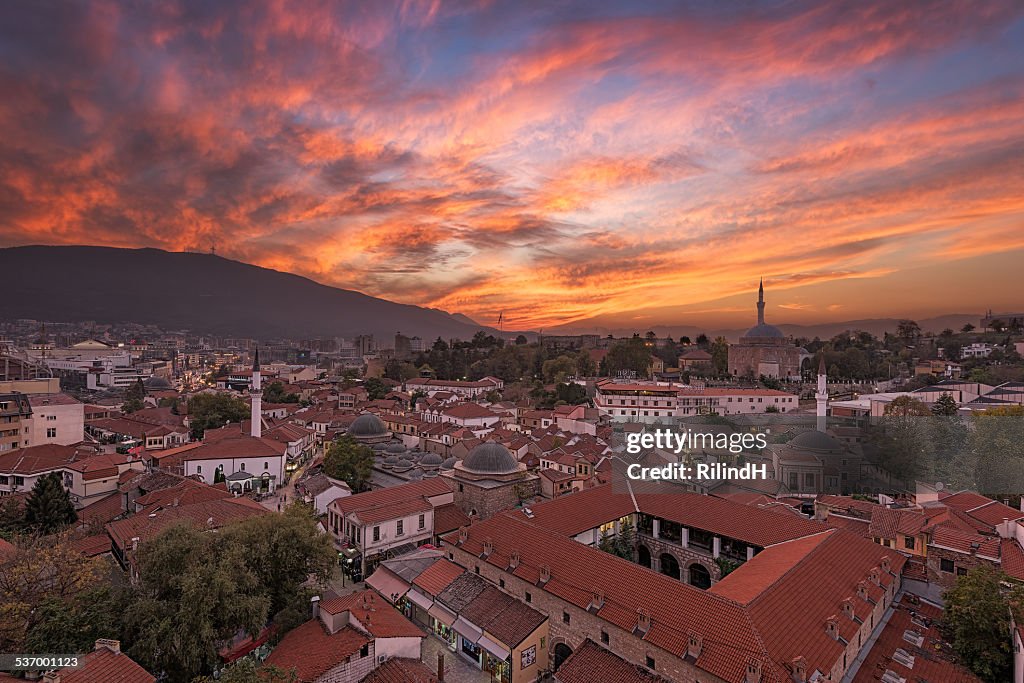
[(387, 584), (494, 648), (442, 614), (349, 553), (467, 630), (418, 598)]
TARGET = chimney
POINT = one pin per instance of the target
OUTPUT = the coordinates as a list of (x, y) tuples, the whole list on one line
[(875, 576), (315, 604), (848, 609), (463, 534), (513, 560), (135, 543), (862, 591), (694, 645), (832, 627), (597, 599), (51, 677), (545, 574), (886, 563), (799, 670), (643, 621), (440, 667), (112, 645), (753, 671), (488, 547)]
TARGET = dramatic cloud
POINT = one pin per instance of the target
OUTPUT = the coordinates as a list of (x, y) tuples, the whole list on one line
[(559, 163)]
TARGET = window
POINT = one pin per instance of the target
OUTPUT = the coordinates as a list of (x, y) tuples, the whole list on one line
[(529, 598), (364, 650), (565, 618), (908, 542), (476, 568), (946, 565), (961, 571), (376, 533), (809, 480), (501, 583), (650, 662), (461, 488), (199, 469), (604, 636), (422, 521), (542, 639), (400, 527), (794, 481), (242, 467), (51, 433), (266, 465)]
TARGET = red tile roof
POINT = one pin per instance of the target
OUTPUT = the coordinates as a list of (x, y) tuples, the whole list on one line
[(38, 459), (311, 651), (449, 517), (399, 670), (953, 539), (591, 662), (378, 504), (930, 661), (438, 576), (206, 514), (104, 510), (379, 618), (1012, 558), (104, 666), (240, 446), (782, 619), (91, 546)]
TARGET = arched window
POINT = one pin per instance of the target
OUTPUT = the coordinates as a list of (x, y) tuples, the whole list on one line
[(643, 556), (700, 576), (669, 565)]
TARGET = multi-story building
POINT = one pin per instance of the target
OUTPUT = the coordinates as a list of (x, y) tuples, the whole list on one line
[(369, 527), (652, 402), (15, 417), (56, 418)]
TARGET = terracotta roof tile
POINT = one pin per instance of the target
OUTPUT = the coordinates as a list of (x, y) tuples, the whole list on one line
[(399, 670), (438, 576), (591, 662), (311, 651), (374, 613), (104, 666)]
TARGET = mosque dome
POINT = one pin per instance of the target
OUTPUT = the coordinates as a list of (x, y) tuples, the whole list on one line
[(449, 463), (490, 458), (403, 464), (431, 460), (816, 441), (764, 330), (156, 383), (390, 461), (367, 425), (395, 448)]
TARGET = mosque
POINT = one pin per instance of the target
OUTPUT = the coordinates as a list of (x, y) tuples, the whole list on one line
[(765, 350)]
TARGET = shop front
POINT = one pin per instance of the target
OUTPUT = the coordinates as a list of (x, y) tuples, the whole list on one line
[(469, 636), (496, 659), (441, 620)]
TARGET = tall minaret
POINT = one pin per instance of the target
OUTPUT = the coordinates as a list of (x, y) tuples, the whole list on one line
[(821, 395), (256, 394), (760, 303)]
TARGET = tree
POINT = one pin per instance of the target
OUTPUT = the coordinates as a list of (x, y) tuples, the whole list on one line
[(521, 339), (628, 355), (350, 461), (945, 405), (908, 330), (967, 329), (38, 575), (275, 393), (376, 388), (573, 394), (133, 397), (977, 621), (213, 411), (720, 355), (905, 406), (624, 540), (559, 369), (48, 508), (73, 624)]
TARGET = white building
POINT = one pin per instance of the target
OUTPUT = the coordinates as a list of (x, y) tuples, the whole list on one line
[(977, 350), (642, 402), (56, 418)]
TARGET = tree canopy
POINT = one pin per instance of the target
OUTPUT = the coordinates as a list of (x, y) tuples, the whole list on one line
[(48, 508), (977, 622), (213, 411), (350, 461)]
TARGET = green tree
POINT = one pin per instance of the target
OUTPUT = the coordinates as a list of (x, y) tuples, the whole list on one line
[(376, 388), (350, 461), (73, 624), (48, 507), (275, 393), (521, 339), (625, 540), (720, 355), (945, 405), (628, 355), (908, 330), (559, 369), (213, 411), (967, 329), (133, 397), (573, 394), (977, 621)]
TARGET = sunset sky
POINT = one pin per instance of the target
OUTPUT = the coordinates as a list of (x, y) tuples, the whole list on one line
[(556, 161)]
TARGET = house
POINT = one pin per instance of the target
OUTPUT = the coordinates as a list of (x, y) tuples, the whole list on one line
[(347, 639), (370, 527), (56, 418), (256, 463), (105, 663), (321, 491)]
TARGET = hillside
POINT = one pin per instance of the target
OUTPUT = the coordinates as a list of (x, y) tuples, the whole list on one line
[(203, 293)]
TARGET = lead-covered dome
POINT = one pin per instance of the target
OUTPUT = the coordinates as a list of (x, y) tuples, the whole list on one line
[(816, 441), (764, 330), (367, 424), (490, 458)]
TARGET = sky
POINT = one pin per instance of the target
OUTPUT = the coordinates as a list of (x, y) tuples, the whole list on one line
[(555, 161)]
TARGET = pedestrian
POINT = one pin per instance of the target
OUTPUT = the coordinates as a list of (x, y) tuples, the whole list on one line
[(279, 507)]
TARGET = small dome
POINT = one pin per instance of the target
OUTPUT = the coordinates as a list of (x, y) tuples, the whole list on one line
[(431, 460), (156, 383), (819, 442), (403, 464), (367, 424), (449, 463), (490, 458), (428, 474), (395, 448), (764, 330), (416, 474)]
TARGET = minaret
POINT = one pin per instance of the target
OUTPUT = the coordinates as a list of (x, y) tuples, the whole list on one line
[(760, 303), (256, 394), (821, 395)]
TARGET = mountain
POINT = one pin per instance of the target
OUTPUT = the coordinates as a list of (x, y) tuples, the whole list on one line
[(876, 326), (203, 293)]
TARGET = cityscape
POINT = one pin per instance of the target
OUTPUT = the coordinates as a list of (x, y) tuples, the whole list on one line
[(427, 342)]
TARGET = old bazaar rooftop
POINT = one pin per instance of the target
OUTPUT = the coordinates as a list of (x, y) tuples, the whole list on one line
[(778, 622), (591, 508)]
